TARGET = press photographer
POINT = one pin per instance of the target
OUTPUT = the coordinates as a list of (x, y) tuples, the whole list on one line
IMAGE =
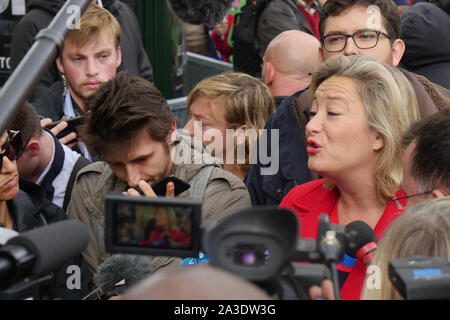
[(132, 129)]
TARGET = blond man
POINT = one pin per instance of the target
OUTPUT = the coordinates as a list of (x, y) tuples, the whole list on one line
[(89, 58)]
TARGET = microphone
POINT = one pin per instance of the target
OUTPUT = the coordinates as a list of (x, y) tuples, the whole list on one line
[(208, 12), (361, 241), (118, 273), (40, 250)]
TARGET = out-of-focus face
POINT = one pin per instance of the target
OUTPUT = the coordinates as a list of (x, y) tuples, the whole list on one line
[(9, 176), (339, 139), (409, 184), (146, 159), (161, 219), (360, 18), (86, 68), (211, 125)]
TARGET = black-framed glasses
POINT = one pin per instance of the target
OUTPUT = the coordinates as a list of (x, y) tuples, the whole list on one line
[(12, 148), (364, 39), (400, 206)]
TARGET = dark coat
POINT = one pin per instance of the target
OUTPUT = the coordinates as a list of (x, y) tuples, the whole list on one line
[(50, 105), (425, 31), (269, 190), (39, 15), (279, 16), (32, 210)]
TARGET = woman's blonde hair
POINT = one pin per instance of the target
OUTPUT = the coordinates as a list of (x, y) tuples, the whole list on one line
[(422, 230), (172, 220), (247, 100), (391, 107)]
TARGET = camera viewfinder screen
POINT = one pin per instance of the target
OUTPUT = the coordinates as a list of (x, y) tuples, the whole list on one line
[(148, 226)]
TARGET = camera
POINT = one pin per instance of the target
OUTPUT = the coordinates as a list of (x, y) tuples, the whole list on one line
[(258, 244), (152, 226), (420, 277)]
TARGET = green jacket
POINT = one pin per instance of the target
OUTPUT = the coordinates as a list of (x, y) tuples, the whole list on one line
[(224, 194)]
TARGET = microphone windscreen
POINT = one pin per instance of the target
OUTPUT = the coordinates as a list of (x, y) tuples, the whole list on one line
[(53, 244), (208, 12), (118, 267), (358, 234), (6, 234)]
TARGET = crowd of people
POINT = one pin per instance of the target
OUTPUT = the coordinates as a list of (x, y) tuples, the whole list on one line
[(347, 120)]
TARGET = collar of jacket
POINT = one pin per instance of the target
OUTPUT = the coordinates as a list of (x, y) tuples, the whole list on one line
[(316, 197), (27, 205)]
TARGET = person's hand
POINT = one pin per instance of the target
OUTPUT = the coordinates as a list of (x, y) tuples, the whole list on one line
[(222, 27), (148, 191), (325, 291), (57, 129)]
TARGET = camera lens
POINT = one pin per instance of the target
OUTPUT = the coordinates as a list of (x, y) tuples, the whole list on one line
[(250, 255)]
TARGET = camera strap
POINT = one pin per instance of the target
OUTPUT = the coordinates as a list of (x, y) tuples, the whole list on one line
[(199, 182)]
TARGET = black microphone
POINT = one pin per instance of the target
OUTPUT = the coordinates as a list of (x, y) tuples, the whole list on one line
[(40, 250), (361, 241), (118, 273), (208, 12), (38, 58)]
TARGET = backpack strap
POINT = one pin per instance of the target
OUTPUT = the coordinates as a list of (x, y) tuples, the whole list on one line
[(199, 181), (80, 164)]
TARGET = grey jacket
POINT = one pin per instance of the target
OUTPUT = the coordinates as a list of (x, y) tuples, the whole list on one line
[(279, 16), (225, 194)]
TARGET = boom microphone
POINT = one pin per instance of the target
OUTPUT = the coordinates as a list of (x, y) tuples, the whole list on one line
[(208, 12), (38, 58), (40, 250), (361, 241), (118, 273)]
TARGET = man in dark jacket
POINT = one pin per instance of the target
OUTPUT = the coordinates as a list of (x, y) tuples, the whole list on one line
[(290, 59), (425, 55), (39, 15)]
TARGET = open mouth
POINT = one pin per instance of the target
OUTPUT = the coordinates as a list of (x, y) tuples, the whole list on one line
[(313, 144), (312, 147)]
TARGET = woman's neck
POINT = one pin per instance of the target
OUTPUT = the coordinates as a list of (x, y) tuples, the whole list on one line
[(359, 201)]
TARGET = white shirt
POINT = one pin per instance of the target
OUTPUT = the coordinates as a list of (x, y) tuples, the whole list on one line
[(70, 113), (61, 180)]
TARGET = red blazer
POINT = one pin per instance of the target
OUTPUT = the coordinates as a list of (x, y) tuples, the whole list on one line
[(310, 200)]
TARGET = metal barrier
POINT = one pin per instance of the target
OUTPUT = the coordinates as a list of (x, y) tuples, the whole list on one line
[(179, 109), (198, 67)]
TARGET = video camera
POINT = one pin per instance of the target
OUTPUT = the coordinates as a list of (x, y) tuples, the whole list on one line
[(258, 244), (152, 226), (421, 278)]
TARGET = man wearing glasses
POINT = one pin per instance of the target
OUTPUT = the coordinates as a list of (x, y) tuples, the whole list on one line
[(372, 28), (426, 162)]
